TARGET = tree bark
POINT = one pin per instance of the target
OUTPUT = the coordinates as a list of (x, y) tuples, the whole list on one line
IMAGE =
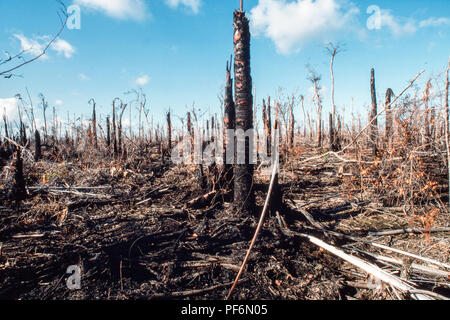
[(244, 199)]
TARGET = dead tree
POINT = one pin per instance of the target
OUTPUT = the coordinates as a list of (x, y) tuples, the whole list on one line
[(315, 79), (291, 125), (44, 109), (389, 119), (302, 99), (169, 131), (37, 146), (20, 61), (333, 51), (229, 123), (429, 116), (114, 123), (94, 122), (267, 121), (373, 135), (244, 199), (108, 132), (120, 148)]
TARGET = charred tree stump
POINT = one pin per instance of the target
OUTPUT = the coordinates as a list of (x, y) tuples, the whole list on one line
[(244, 199), (37, 145), (229, 123), (18, 191), (389, 120), (373, 113)]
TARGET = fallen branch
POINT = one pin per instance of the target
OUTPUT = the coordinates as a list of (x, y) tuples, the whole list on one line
[(407, 230), (260, 223), (192, 292)]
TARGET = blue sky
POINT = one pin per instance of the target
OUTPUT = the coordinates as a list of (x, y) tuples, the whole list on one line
[(176, 50)]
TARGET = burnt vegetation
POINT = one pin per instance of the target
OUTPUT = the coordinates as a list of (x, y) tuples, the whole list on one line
[(91, 194)]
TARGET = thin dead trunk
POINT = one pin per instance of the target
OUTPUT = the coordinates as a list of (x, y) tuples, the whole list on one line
[(169, 131), (389, 94), (229, 123), (373, 113)]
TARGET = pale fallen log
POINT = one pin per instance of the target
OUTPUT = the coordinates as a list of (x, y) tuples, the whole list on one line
[(381, 246), (419, 268), (407, 230), (370, 269), (412, 255)]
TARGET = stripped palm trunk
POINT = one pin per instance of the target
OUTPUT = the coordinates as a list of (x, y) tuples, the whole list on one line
[(244, 198), (373, 114), (389, 123), (229, 123)]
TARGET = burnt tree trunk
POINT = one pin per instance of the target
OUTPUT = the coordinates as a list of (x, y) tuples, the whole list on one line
[(37, 146), (373, 113), (114, 133), (190, 134), (389, 120), (108, 132), (244, 199), (19, 189), (229, 123), (169, 131), (94, 124)]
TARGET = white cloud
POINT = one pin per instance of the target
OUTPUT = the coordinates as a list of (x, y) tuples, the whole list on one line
[(434, 22), (193, 5), (59, 102), (120, 9), (396, 27), (292, 24), (63, 47), (31, 46), (35, 46), (9, 106), (142, 80)]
